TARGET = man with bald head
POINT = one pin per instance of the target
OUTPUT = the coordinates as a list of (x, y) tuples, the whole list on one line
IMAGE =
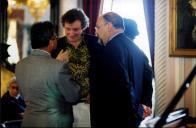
[(112, 79)]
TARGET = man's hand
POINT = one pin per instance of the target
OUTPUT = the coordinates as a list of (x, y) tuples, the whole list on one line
[(88, 99), (63, 56), (147, 111)]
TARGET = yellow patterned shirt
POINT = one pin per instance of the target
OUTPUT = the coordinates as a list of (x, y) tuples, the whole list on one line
[(79, 64)]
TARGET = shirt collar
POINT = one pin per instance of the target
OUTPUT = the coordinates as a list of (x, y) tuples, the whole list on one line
[(114, 35), (37, 50)]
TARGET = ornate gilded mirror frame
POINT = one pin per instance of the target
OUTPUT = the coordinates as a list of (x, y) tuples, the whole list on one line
[(178, 29)]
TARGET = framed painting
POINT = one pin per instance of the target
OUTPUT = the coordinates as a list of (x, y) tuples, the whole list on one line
[(182, 28)]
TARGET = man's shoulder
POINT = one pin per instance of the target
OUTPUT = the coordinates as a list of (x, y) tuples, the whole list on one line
[(56, 62), (6, 97), (52, 62), (40, 60), (22, 61)]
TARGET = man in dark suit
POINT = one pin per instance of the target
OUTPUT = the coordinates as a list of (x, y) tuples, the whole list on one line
[(45, 83), (112, 100), (143, 73), (12, 103)]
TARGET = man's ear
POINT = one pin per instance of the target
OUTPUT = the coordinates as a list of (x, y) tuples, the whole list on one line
[(110, 26), (51, 44)]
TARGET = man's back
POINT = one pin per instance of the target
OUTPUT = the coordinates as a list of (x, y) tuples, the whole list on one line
[(142, 71), (112, 86), (48, 97)]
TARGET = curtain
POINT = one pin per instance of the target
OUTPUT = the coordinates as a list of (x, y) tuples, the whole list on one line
[(3, 38), (91, 8), (3, 21), (54, 13), (149, 15)]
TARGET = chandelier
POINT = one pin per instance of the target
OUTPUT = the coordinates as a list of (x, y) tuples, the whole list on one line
[(36, 8)]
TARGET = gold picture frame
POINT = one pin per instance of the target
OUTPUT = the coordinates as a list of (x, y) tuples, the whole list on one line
[(176, 31)]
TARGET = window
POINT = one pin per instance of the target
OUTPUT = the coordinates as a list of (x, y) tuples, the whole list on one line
[(132, 9), (13, 48)]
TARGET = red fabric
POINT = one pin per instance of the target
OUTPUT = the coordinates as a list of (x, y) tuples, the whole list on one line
[(91, 8)]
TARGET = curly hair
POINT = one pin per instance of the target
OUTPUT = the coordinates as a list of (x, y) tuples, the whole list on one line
[(73, 15)]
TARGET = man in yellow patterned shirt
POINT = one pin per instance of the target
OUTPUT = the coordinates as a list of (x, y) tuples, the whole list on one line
[(78, 48)]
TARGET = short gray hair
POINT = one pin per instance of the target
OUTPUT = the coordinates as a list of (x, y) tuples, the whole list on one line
[(12, 80), (115, 19)]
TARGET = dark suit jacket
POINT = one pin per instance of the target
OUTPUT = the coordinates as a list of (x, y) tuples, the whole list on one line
[(142, 79), (112, 76), (11, 107)]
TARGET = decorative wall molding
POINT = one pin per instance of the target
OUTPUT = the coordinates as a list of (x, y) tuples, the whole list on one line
[(160, 56)]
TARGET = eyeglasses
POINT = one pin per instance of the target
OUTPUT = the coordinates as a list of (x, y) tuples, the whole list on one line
[(14, 87), (98, 27)]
